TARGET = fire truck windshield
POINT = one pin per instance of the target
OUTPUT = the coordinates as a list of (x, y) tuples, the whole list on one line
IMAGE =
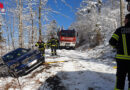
[(68, 34)]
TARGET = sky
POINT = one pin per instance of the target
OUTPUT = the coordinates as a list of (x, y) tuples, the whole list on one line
[(66, 11)]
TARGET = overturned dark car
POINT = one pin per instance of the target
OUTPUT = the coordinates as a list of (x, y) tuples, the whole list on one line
[(21, 61)]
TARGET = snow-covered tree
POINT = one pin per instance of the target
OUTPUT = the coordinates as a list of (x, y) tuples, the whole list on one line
[(89, 20), (1, 36), (51, 29)]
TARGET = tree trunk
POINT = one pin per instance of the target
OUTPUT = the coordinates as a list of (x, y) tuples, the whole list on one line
[(12, 33), (122, 12), (8, 40), (29, 39), (99, 6), (32, 41), (36, 34), (112, 3), (1, 41), (20, 25), (40, 25)]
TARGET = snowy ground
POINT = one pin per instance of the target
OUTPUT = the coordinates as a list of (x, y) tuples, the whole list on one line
[(83, 70)]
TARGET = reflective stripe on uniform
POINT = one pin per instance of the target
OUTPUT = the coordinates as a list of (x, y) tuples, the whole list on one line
[(126, 57), (41, 48), (52, 52), (43, 45), (36, 44), (115, 36), (53, 45), (124, 44), (113, 46)]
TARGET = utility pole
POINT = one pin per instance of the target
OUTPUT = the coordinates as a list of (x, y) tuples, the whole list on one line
[(122, 12)]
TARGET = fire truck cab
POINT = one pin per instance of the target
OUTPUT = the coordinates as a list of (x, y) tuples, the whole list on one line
[(67, 39)]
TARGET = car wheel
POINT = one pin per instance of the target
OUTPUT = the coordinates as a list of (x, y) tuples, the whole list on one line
[(12, 74)]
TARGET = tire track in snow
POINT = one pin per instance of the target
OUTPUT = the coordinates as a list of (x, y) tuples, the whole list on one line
[(81, 66)]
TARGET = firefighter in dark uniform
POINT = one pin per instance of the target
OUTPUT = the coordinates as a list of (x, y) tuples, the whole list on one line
[(120, 40), (41, 46), (53, 42)]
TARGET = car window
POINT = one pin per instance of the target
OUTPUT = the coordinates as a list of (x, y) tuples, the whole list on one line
[(24, 51), (10, 56), (15, 54), (20, 52)]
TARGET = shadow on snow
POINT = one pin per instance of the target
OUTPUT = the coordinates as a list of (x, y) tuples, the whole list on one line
[(79, 80)]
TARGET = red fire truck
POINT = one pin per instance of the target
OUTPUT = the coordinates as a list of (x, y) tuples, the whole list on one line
[(67, 38)]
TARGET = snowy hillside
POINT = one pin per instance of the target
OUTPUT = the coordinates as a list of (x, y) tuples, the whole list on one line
[(82, 70)]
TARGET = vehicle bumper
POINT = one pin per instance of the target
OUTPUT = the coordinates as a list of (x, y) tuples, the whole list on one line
[(28, 69), (68, 44)]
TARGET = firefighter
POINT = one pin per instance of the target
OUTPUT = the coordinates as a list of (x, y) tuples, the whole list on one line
[(41, 46), (53, 42), (48, 44), (120, 41)]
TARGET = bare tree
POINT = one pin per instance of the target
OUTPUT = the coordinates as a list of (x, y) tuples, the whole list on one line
[(99, 6), (112, 3), (122, 12), (40, 25), (12, 33), (51, 29), (20, 24), (8, 35), (32, 41), (32, 26), (1, 40)]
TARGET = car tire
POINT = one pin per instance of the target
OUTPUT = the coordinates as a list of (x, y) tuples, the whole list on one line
[(12, 74)]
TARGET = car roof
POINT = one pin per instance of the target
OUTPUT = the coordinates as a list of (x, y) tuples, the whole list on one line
[(14, 51)]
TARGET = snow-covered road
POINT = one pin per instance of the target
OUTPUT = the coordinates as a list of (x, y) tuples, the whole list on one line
[(81, 71)]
